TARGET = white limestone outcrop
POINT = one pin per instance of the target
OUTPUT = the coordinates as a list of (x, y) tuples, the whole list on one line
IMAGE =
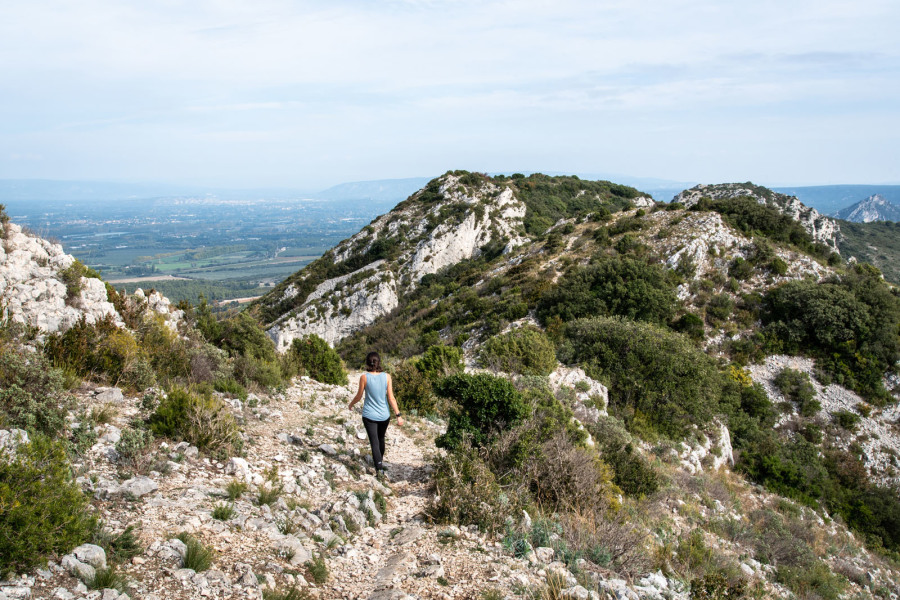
[(32, 291)]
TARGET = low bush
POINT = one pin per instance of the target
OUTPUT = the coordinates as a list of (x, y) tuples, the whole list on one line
[(633, 473), (525, 351), (319, 360), (846, 419), (797, 387), (107, 578), (132, 449), (483, 406), (43, 511), (467, 492), (849, 324), (318, 569), (32, 393), (658, 381), (204, 421), (119, 548), (614, 286), (197, 557), (102, 350), (441, 361), (412, 387)]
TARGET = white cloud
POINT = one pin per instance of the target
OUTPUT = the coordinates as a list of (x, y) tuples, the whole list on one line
[(97, 77)]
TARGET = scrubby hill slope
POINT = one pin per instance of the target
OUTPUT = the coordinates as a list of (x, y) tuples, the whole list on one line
[(659, 402)]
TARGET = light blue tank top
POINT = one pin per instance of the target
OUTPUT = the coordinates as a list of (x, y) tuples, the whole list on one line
[(375, 407)]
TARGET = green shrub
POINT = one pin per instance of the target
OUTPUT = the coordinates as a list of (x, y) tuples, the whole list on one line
[(815, 581), (292, 593), (467, 492), (846, 419), (740, 269), (119, 548), (198, 557), (691, 325), (412, 388), (72, 275), (318, 569), (615, 286), (633, 473), (716, 586), (32, 393), (132, 447), (526, 351), (483, 406), (441, 361), (43, 511), (223, 511), (204, 421), (656, 378), (319, 360), (719, 308), (235, 489), (107, 578), (102, 349), (849, 325), (797, 387)]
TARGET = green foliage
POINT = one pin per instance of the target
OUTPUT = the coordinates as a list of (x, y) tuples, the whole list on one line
[(292, 593), (656, 378), (204, 421), (42, 510), (119, 548), (751, 217), (715, 586), (132, 445), (198, 557), (467, 492), (877, 243), (797, 387), (319, 360), (102, 349), (72, 275), (614, 286), (32, 393), (549, 199), (740, 269), (850, 325), (412, 387), (846, 419), (691, 325), (107, 578), (441, 361), (235, 489), (483, 406), (815, 581), (634, 475), (318, 569), (223, 511), (526, 351)]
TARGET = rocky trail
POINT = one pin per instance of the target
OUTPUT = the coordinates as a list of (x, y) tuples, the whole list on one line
[(325, 508)]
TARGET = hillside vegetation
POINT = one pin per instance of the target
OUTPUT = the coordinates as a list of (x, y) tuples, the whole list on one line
[(616, 398)]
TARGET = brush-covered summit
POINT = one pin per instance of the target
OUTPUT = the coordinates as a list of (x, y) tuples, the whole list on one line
[(456, 217)]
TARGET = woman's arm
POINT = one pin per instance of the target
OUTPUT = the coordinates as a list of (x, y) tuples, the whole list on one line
[(359, 392), (393, 401)]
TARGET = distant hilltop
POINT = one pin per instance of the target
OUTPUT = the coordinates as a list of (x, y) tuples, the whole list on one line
[(874, 208)]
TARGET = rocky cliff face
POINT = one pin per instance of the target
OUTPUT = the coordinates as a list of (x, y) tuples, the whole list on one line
[(33, 290), (418, 238), (873, 208), (44, 288), (820, 227)]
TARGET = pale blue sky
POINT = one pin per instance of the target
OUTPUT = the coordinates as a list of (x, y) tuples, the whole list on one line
[(307, 94)]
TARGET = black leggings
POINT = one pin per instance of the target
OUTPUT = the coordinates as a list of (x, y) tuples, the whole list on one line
[(376, 431)]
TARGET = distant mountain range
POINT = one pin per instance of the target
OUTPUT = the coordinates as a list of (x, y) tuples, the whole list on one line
[(874, 208), (829, 199)]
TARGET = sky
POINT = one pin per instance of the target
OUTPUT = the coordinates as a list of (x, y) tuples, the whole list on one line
[(306, 94)]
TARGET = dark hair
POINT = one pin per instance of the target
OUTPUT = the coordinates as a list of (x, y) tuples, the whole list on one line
[(373, 362)]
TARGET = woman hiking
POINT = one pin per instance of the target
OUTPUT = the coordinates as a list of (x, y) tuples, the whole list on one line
[(377, 408)]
